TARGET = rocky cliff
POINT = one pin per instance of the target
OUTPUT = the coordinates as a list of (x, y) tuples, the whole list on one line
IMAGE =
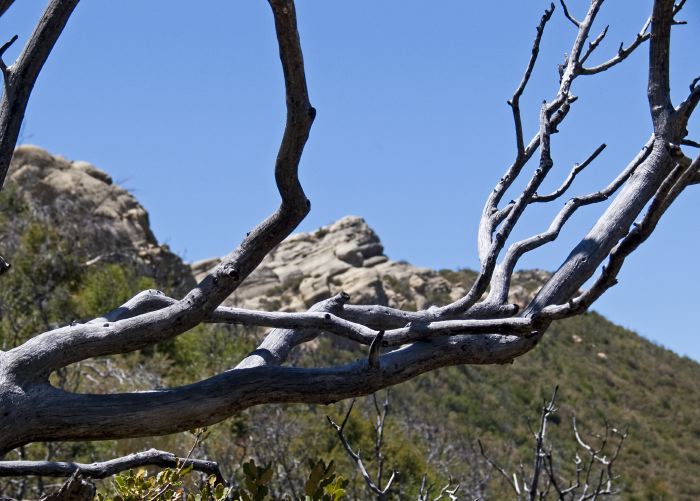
[(109, 224), (106, 222), (348, 256)]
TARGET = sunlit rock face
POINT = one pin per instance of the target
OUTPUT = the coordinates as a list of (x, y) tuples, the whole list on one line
[(110, 225), (348, 256), (107, 222)]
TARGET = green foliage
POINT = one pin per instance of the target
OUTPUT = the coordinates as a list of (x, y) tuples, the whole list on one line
[(166, 485), (323, 484), (106, 287), (36, 293), (255, 484)]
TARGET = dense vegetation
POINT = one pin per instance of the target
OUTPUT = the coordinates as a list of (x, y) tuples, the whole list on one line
[(604, 372)]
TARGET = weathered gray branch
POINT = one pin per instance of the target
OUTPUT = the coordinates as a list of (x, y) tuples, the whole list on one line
[(104, 469), (569, 179), (501, 280), (21, 76), (515, 100), (50, 351), (293, 328), (470, 330), (45, 413), (640, 188), (686, 109), (680, 177), (622, 52), (4, 5)]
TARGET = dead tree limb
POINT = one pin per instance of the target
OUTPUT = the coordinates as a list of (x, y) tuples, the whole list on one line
[(104, 469), (478, 328)]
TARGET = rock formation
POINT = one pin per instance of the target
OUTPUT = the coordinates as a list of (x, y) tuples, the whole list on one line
[(348, 256), (108, 223)]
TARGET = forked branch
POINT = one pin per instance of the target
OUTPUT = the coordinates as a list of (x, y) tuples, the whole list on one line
[(402, 344)]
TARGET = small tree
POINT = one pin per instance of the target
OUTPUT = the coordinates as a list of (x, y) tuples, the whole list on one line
[(593, 477), (479, 328)]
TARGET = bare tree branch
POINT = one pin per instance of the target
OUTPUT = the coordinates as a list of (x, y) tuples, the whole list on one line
[(687, 107), (682, 176), (568, 15), (515, 100), (472, 329), (3, 66), (502, 276), (104, 469), (375, 487), (4, 5), (21, 76), (622, 52), (659, 87), (569, 179), (56, 349)]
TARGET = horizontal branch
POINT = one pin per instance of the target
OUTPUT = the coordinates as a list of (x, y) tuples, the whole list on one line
[(50, 413), (151, 457), (385, 317), (292, 328)]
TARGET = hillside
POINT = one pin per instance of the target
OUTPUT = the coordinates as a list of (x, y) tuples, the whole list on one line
[(79, 244)]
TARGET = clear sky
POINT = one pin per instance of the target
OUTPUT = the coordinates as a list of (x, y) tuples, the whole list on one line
[(184, 106)]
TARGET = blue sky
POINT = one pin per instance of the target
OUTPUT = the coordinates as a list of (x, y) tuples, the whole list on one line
[(184, 106)]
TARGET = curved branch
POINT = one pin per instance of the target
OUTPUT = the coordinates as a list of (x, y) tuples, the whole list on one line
[(515, 100), (104, 469), (21, 76), (622, 54), (556, 111), (687, 107), (482, 281), (41, 355), (570, 178)]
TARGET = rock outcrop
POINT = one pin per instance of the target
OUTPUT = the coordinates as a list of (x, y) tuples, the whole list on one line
[(108, 223), (348, 256)]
